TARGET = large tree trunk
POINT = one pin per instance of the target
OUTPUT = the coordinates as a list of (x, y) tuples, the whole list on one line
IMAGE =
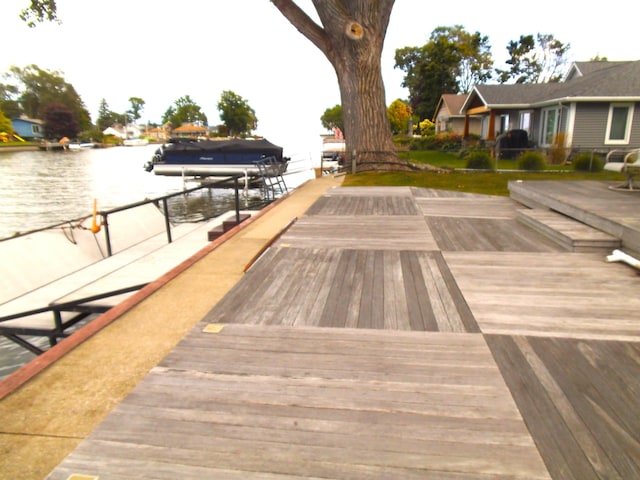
[(352, 37)]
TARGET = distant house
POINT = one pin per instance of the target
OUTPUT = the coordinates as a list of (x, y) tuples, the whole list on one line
[(123, 131), (448, 117), (159, 134), (190, 130), (116, 131), (28, 128), (595, 107)]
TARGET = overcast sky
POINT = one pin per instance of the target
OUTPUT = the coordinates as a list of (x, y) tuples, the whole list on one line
[(160, 51)]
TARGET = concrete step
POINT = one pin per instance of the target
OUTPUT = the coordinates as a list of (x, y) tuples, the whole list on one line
[(567, 232), (225, 226)]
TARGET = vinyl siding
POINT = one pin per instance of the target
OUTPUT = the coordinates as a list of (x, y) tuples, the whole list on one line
[(591, 125)]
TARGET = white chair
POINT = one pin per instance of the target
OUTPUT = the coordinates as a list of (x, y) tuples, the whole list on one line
[(630, 165)]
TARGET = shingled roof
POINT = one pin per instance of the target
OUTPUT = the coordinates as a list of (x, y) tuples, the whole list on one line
[(589, 81)]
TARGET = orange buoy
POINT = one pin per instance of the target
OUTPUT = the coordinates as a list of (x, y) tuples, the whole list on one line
[(95, 228)]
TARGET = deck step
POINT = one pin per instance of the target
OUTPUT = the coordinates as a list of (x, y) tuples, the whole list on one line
[(225, 226), (567, 232)]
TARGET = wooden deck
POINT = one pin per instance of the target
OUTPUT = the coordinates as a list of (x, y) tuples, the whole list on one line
[(396, 333)]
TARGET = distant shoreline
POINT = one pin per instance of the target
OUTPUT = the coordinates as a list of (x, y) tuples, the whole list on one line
[(17, 148)]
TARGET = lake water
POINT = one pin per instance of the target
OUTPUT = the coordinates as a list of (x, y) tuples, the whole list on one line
[(39, 189)]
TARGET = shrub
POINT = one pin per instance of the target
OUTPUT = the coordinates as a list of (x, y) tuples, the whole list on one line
[(480, 160), (532, 161), (448, 141), (402, 142), (422, 143), (588, 162)]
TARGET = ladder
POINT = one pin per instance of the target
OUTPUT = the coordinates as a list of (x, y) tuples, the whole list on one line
[(271, 172)]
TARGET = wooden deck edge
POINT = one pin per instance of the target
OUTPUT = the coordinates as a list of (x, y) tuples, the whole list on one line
[(21, 376), (557, 227)]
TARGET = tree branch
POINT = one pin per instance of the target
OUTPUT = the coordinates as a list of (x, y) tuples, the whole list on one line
[(305, 25)]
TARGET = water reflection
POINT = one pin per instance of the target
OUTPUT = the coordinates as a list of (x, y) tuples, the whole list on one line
[(38, 189)]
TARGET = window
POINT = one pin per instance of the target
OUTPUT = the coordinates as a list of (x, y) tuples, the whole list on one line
[(550, 123), (485, 127), (504, 122), (619, 124), (525, 121)]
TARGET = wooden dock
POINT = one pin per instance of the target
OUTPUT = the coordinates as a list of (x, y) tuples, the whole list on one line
[(400, 333)]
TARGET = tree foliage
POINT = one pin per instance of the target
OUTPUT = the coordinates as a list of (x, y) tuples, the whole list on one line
[(452, 61), (236, 114), (332, 118), (5, 124), (535, 60), (8, 101), (39, 11), (34, 89), (137, 106), (399, 115), (106, 117), (59, 121), (184, 110)]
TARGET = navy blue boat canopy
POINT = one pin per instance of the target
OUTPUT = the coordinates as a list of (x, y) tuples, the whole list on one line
[(233, 146)]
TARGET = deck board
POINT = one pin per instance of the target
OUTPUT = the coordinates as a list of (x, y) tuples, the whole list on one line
[(345, 411), (561, 294), (344, 287), (583, 419), (364, 232), (398, 333)]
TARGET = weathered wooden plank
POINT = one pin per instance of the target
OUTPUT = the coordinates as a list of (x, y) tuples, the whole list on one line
[(589, 202), (338, 287), (474, 206), (607, 421), (595, 431), (420, 192), (368, 232), (395, 313), (364, 204), (336, 307), (298, 300), (317, 403), (495, 235), (420, 310), (313, 295), (575, 236), (263, 401), (456, 303), (518, 293), (561, 452)]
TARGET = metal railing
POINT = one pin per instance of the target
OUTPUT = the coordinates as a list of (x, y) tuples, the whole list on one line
[(163, 200)]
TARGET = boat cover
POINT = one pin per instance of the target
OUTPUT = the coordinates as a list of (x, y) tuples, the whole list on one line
[(236, 145)]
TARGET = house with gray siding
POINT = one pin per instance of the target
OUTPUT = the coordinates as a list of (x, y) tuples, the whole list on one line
[(596, 107)]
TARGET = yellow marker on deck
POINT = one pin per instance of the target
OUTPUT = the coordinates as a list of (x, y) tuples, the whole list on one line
[(213, 328)]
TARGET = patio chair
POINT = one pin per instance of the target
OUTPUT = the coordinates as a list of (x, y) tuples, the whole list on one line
[(630, 165)]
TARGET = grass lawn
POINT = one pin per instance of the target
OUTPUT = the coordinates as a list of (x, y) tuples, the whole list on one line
[(490, 183)]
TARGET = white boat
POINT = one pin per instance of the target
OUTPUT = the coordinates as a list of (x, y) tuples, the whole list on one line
[(81, 146), (135, 142), (333, 152)]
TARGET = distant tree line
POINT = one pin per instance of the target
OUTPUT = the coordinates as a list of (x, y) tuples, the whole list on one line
[(46, 95), (454, 60)]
